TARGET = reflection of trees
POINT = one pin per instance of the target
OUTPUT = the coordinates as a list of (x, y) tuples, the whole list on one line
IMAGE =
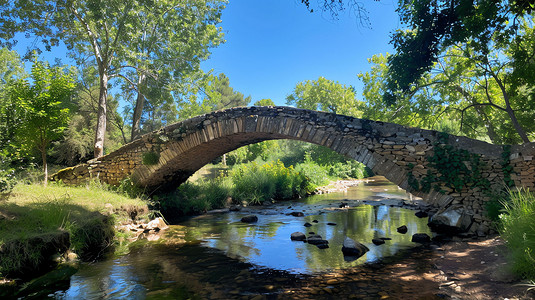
[(363, 224)]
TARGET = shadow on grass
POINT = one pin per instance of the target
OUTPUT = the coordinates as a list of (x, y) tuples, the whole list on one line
[(33, 237)]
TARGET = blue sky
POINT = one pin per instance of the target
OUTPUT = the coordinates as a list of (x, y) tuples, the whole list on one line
[(271, 45)]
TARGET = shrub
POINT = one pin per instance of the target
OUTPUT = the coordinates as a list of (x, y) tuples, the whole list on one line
[(194, 198), (517, 228), (256, 183)]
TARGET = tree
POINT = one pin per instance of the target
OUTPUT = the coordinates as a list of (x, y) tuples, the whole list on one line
[(164, 55), (434, 26), (488, 95), (210, 94), (103, 32), (264, 102), (325, 95), (11, 69), (44, 102)]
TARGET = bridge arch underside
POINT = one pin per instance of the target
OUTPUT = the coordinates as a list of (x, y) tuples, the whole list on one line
[(178, 162)]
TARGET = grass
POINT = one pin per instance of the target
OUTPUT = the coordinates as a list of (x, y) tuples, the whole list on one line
[(517, 228), (37, 221)]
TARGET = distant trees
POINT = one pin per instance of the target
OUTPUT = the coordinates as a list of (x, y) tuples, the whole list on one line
[(325, 95)]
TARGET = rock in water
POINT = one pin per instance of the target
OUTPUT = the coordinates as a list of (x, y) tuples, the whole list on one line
[(249, 219), (297, 214), (421, 238), (421, 214), (316, 239), (307, 224), (353, 248), (298, 236), (402, 229), (378, 241), (451, 220)]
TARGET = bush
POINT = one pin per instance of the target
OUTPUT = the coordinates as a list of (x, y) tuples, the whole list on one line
[(194, 198), (256, 183), (517, 228), (316, 174)]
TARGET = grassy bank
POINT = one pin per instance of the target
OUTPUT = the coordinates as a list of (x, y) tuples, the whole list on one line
[(39, 224), (517, 228)]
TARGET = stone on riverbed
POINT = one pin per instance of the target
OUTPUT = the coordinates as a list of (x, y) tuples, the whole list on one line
[(378, 241), (353, 248), (298, 236), (402, 229), (249, 219), (421, 214), (297, 214), (421, 238), (316, 239)]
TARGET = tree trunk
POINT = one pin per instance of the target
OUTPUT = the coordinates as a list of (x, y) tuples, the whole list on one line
[(138, 110), (45, 166), (101, 122)]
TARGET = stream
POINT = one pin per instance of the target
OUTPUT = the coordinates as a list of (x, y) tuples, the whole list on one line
[(216, 256)]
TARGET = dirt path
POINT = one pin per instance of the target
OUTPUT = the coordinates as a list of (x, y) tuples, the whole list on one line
[(473, 269)]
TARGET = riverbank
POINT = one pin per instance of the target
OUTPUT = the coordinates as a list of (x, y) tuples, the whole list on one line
[(42, 227)]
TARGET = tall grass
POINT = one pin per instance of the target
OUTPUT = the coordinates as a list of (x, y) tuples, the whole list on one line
[(517, 228)]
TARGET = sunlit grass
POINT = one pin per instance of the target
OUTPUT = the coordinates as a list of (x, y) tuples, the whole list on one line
[(33, 216), (517, 228)]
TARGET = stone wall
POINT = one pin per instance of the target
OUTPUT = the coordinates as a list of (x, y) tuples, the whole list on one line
[(165, 158)]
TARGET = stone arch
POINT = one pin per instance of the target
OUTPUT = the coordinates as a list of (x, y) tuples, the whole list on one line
[(180, 149)]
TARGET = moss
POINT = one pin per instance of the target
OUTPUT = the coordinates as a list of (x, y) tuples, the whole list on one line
[(150, 158)]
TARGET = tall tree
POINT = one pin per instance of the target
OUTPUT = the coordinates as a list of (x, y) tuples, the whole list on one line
[(101, 31), (164, 55), (45, 104), (325, 95)]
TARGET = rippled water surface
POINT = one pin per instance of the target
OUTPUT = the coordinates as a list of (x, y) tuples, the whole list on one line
[(219, 243)]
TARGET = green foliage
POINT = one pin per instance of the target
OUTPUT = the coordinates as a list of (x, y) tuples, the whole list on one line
[(264, 102), (217, 94), (518, 231), (43, 104), (435, 25), (325, 95), (194, 198), (7, 174), (150, 158), (255, 183)]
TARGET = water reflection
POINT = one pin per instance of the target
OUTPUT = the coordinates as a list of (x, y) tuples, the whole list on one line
[(267, 243)]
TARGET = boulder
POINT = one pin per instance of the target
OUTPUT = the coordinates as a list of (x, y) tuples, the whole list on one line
[(298, 236), (322, 246), (249, 219), (451, 220), (307, 224), (297, 214), (421, 238), (378, 241), (331, 224), (402, 229), (353, 248)]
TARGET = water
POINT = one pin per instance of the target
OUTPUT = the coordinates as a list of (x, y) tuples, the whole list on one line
[(224, 254)]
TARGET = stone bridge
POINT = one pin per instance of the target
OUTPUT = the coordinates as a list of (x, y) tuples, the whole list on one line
[(442, 169)]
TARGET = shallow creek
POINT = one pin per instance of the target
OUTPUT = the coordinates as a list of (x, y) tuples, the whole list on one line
[(215, 256)]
